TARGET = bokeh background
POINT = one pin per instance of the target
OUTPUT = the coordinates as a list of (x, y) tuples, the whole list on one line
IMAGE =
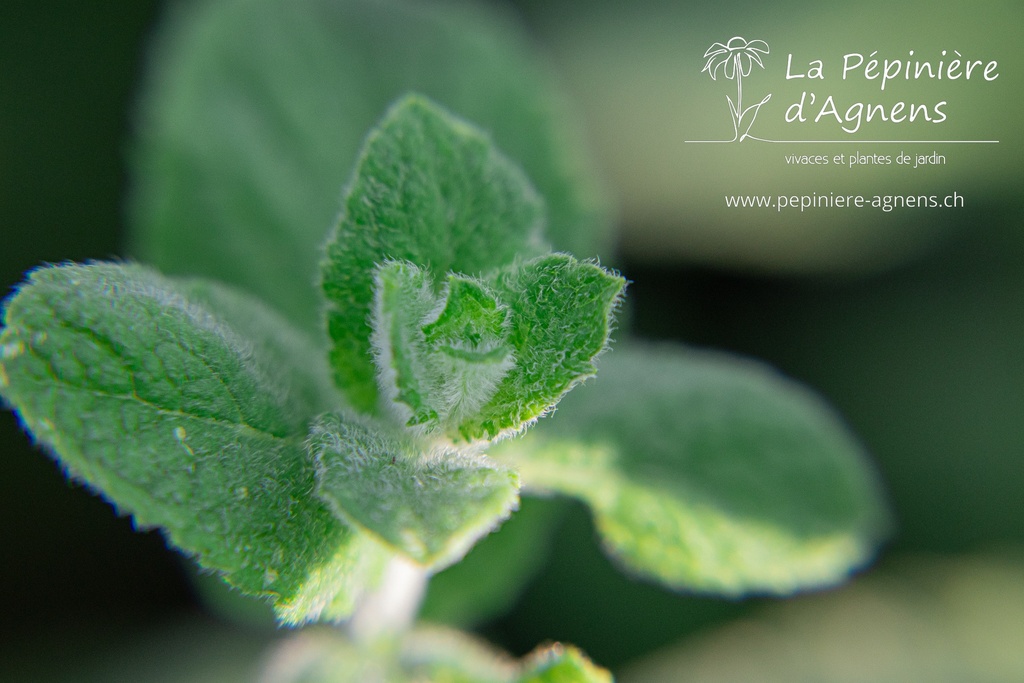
[(909, 323)]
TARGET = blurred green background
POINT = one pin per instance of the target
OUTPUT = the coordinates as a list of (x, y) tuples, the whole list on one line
[(909, 323)]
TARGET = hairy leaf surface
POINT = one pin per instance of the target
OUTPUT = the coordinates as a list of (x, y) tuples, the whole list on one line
[(439, 357), (151, 391), (425, 654), (485, 358), (710, 473), (430, 506), (561, 313), (431, 190), (489, 580), (255, 112)]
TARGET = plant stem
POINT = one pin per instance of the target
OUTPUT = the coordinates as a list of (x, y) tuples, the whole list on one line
[(392, 606)]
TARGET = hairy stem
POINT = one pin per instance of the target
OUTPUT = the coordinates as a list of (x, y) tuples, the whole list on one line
[(391, 607)]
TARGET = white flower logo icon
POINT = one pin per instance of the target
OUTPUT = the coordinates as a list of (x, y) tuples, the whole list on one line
[(736, 59)]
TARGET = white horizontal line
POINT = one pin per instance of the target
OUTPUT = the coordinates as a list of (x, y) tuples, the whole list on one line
[(861, 142)]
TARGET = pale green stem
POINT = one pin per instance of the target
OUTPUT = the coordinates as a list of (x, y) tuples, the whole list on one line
[(392, 606)]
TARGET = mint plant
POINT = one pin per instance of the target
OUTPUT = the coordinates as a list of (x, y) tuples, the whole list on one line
[(334, 468), (195, 408)]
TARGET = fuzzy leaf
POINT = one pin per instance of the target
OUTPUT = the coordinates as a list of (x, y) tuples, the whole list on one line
[(430, 506), (444, 656), (441, 357), (710, 473), (255, 111), (324, 655), (489, 580), (431, 654), (477, 367), (562, 664), (561, 313), (149, 390), (286, 354), (428, 189)]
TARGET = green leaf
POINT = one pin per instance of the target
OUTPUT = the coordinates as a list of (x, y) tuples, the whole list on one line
[(561, 314), (442, 357), (430, 506), (255, 111), (286, 353), (151, 392), (442, 655), (488, 581), (324, 655), (562, 664), (431, 190), (468, 363), (425, 654), (432, 654), (710, 473)]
